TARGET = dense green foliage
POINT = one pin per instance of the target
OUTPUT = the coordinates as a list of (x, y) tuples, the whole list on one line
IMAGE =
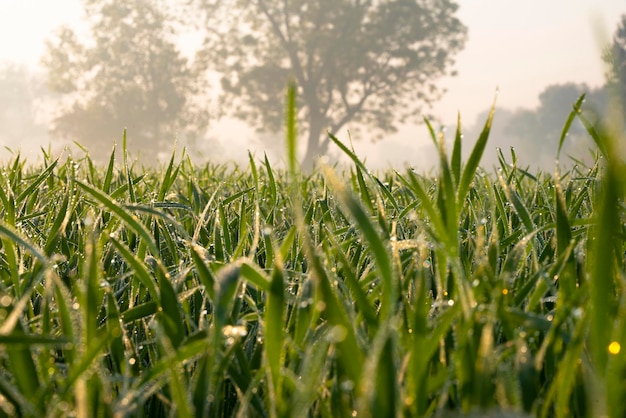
[(222, 291)]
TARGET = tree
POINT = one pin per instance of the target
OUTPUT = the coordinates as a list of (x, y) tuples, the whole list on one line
[(131, 75), (374, 63)]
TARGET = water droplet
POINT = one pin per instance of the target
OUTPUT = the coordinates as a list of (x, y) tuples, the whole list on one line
[(347, 385), (337, 333), (236, 331), (6, 300)]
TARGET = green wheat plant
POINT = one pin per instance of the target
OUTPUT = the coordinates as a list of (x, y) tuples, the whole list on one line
[(229, 291)]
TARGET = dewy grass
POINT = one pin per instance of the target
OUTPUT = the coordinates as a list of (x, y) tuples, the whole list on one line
[(226, 291)]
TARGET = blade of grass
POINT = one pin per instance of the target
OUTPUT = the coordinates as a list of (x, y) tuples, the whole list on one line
[(291, 128), (138, 267), (472, 163), (378, 248), (40, 179), (131, 188), (568, 123), (274, 333), (131, 221), (108, 177), (455, 162)]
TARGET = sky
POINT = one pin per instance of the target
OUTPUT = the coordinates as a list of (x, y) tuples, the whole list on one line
[(520, 47), (514, 48)]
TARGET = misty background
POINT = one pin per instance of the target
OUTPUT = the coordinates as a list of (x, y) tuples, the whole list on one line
[(210, 76)]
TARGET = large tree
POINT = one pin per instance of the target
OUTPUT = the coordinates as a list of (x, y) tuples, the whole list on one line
[(127, 73), (374, 63)]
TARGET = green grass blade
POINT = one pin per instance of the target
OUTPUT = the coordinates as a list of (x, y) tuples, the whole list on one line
[(274, 332), (271, 183), (378, 248), (603, 262), (114, 326), (518, 205), (568, 123), (356, 160), (225, 289), (8, 202), (290, 123), (350, 277), (350, 354), (108, 176), (40, 179), (92, 298), (140, 311), (429, 208), (129, 181), (472, 163), (22, 366), (380, 395), (256, 276), (168, 179), (131, 221), (198, 254), (138, 267), (455, 162), (169, 315), (86, 361), (24, 242), (59, 224)]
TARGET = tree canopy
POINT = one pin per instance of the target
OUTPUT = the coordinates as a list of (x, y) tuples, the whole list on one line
[(375, 63), (128, 73)]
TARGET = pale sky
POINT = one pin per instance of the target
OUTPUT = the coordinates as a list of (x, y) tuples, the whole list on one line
[(524, 46), (519, 47)]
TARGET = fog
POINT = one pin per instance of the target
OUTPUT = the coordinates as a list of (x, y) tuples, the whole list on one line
[(534, 58)]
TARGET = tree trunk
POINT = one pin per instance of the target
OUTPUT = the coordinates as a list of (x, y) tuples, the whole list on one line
[(316, 145)]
